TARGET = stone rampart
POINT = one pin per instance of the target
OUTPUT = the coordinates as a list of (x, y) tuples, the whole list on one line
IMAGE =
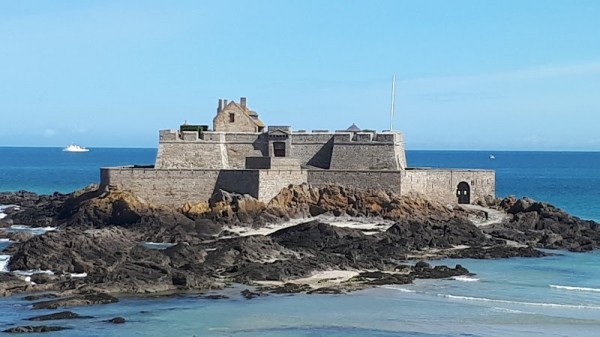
[(175, 187), (437, 184), (162, 187), (366, 180), (441, 184), (272, 181)]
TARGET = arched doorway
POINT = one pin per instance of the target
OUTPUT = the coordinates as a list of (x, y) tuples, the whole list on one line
[(463, 192)]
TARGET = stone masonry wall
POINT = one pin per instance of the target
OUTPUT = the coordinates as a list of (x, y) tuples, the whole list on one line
[(272, 181), (188, 155), (364, 156), (367, 180), (163, 187), (435, 184), (441, 184), (242, 122)]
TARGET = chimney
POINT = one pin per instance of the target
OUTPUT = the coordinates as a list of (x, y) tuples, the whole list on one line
[(243, 102), (224, 103), (220, 105)]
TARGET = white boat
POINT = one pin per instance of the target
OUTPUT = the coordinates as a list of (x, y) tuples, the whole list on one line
[(492, 157), (75, 148)]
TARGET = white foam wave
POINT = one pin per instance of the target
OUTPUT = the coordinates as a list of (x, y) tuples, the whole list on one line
[(78, 275), (4, 263), (596, 290), (4, 240), (510, 311), (465, 278), (400, 289), (32, 272), (20, 227), (158, 245), (536, 304), (2, 215), (32, 230)]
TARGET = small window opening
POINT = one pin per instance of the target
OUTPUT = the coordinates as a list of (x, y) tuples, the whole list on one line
[(231, 117)]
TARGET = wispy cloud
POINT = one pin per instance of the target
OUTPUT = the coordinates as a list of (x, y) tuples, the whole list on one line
[(49, 132), (529, 73)]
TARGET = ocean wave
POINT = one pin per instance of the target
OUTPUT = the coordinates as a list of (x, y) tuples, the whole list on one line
[(400, 289), (536, 304), (4, 240), (78, 275), (4, 263), (2, 215), (509, 311), (465, 278), (587, 289)]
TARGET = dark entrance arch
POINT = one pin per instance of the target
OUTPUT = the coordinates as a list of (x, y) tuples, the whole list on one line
[(463, 192)]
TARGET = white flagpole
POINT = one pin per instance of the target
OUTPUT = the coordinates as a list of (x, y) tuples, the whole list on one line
[(392, 108)]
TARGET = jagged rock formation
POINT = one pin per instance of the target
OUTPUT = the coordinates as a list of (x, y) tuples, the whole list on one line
[(100, 234)]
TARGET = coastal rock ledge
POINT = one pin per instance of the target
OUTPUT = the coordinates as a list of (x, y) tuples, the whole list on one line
[(347, 239)]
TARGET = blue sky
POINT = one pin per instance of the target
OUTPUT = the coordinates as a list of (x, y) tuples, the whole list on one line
[(495, 75)]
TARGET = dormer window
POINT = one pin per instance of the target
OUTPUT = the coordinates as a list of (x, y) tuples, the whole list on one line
[(231, 117)]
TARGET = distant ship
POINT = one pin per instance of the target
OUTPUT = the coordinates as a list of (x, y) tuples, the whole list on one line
[(75, 148), (492, 157)]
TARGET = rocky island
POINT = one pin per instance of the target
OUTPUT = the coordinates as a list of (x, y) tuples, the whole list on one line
[(328, 239), (274, 210)]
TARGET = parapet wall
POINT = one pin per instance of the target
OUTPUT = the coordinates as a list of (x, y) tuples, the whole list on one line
[(176, 187), (437, 184), (228, 150)]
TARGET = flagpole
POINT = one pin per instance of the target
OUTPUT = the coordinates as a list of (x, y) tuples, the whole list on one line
[(392, 107)]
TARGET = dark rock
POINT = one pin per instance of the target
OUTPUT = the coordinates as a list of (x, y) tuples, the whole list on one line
[(248, 294), (58, 315), (76, 300), (39, 297), (497, 252), (215, 297), (116, 320), (290, 288), (325, 291), (32, 329)]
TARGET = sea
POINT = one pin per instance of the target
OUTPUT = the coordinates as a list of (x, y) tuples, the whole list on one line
[(557, 295)]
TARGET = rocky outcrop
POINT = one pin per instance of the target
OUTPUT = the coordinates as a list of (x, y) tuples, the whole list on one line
[(76, 300), (57, 316), (543, 225), (101, 231), (34, 329)]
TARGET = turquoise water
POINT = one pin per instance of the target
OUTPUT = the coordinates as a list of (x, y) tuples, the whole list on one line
[(552, 296)]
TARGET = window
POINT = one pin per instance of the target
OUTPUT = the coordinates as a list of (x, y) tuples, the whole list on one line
[(279, 149), (231, 117)]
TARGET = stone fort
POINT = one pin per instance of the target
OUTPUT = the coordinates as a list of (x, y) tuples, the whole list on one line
[(240, 154)]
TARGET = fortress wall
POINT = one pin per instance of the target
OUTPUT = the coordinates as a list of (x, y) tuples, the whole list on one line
[(367, 180), (441, 184), (162, 187), (272, 181), (238, 152), (238, 181), (187, 155), (312, 149), (482, 183), (318, 155), (364, 156), (400, 155)]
